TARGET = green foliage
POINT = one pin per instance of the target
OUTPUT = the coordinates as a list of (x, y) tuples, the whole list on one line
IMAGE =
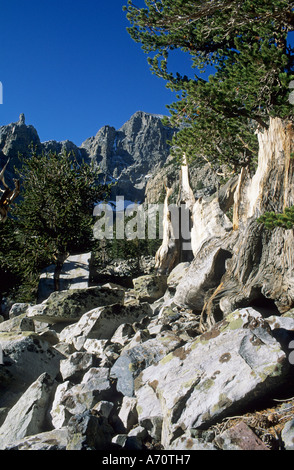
[(53, 218), (246, 44), (285, 220)]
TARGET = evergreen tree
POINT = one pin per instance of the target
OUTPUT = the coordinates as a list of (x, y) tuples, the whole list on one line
[(54, 217), (285, 220), (246, 43)]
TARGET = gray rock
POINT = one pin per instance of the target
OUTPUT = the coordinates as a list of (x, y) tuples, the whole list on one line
[(50, 440), (189, 443), (74, 367), (149, 409), (88, 432), (132, 361), (150, 288), (288, 435), (70, 305), (18, 309), (59, 413), (128, 413), (95, 387), (123, 334), (103, 408), (216, 374), (26, 356), (18, 323), (102, 322), (28, 415)]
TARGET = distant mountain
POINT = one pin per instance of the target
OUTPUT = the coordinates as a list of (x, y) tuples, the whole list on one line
[(128, 156), (131, 154)]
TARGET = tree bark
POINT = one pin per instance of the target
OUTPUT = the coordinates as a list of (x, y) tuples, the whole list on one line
[(261, 270)]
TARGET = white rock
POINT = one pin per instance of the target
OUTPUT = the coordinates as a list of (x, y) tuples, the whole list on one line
[(76, 365), (123, 334), (128, 413), (27, 416), (59, 414), (217, 373), (104, 408), (102, 322), (50, 440)]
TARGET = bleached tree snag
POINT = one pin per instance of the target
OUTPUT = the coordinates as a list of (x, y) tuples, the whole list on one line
[(7, 195), (186, 195), (168, 254), (186, 201), (176, 244)]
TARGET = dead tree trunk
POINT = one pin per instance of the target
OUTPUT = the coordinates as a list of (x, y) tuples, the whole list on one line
[(7, 195), (261, 270), (177, 224), (167, 256)]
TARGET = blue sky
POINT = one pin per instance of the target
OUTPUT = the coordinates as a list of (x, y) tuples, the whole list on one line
[(71, 67)]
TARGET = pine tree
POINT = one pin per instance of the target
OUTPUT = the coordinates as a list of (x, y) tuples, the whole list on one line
[(285, 220), (54, 216), (246, 43)]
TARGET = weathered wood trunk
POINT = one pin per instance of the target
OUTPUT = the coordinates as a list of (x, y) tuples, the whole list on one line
[(7, 195), (177, 223), (261, 270), (168, 254)]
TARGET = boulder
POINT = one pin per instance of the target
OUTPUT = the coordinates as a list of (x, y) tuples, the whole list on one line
[(69, 306), (59, 414), (28, 415), (102, 322), (132, 361), (50, 440), (95, 387), (150, 287), (123, 334), (26, 356), (18, 323), (88, 432), (74, 367), (188, 443), (220, 372), (239, 437), (128, 413), (18, 309)]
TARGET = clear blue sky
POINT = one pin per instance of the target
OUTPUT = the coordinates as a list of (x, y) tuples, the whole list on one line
[(71, 67)]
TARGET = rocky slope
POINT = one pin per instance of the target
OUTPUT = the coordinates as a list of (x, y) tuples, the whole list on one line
[(109, 368)]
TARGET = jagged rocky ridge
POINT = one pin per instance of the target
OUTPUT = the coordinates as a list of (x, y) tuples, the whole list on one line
[(192, 360), (135, 157), (128, 156)]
